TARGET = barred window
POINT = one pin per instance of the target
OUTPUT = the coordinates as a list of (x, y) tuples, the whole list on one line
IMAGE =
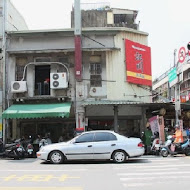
[(95, 68), (19, 72), (1, 11), (95, 80)]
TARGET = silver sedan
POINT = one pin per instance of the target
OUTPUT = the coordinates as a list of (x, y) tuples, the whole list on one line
[(93, 145)]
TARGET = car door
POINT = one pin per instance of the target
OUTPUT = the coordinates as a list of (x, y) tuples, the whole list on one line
[(81, 148), (104, 144)]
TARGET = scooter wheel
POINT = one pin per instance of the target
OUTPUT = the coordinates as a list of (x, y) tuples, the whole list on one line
[(164, 153), (187, 152)]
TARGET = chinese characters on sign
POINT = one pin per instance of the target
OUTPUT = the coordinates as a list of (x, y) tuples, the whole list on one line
[(138, 63)]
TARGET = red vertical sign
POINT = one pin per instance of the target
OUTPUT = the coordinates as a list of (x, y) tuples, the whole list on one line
[(138, 63), (78, 58)]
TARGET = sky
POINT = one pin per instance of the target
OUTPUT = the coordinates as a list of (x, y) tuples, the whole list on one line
[(166, 21)]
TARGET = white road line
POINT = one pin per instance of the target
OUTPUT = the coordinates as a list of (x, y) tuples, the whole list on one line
[(156, 177), (148, 166), (163, 160), (154, 173), (137, 184), (44, 170)]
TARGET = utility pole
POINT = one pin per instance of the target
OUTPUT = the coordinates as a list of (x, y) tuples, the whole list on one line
[(79, 111), (78, 51)]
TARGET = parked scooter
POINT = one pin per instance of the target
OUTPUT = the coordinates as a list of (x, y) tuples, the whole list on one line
[(45, 141), (14, 150), (29, 147), (155, 145), (175, 148)]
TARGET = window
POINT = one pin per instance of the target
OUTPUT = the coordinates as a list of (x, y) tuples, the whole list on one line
[(95, 75), (42, 80), (95, 80), (1, 11), (19, 72), (104, 137), (188, 75), (95, 68), (85, 138), (20, 64)]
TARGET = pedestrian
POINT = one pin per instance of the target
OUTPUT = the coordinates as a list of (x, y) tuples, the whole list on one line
[(147, 138), (178, 135)]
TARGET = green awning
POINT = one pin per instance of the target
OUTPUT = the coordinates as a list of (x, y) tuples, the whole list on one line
[(28, 111)]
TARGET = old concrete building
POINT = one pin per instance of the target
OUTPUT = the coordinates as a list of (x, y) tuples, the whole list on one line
[(103, 99), (10, 20)]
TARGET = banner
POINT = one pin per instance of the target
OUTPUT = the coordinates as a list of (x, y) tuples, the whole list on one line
[(138, 63), (154, 125)]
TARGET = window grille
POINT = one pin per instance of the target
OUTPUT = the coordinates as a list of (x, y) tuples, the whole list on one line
[(95, 80)]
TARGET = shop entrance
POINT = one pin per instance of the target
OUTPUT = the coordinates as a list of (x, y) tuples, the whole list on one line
[(129, 127), (55, 129)]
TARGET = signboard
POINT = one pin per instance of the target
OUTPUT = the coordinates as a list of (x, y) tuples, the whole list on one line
[(161, 128), (172, 77), (181, 55), (138, 63), (154, 124)]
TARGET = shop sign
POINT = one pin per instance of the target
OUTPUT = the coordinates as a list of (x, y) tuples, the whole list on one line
[(172, 77), (138, 63), (154, 124)]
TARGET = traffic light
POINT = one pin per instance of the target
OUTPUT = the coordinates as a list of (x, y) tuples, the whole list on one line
[(188, 47)]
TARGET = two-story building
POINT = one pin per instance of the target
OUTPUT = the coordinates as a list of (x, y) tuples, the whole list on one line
[(42, 95)]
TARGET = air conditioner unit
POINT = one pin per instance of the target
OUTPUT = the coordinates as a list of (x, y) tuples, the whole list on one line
[(18, 86), (58, 80)]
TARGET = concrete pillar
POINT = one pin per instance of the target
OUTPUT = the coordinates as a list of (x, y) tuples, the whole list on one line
[(116, 128), (143, 120), (14, 129)]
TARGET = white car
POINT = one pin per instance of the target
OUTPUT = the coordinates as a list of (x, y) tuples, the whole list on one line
[(93, 145)]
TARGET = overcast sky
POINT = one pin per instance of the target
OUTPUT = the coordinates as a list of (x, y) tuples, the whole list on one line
[(166, 21)]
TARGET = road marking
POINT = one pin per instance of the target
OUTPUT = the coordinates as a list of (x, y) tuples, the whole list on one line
[(156, 177), (147, 165), (153, 173), (137, 184), (44, 170), (38, 178), (41, 188)]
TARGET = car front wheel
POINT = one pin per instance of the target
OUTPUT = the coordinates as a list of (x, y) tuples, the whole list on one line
[(119, 156), (56, 157)]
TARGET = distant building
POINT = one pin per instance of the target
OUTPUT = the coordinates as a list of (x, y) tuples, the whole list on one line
[(101, 15)]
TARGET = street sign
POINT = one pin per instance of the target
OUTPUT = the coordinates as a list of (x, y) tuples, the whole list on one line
[(181, 55), (172, 76)]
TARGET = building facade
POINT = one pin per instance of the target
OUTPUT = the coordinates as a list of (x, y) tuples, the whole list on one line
[(102, 98), (10, 20), (164, 92)]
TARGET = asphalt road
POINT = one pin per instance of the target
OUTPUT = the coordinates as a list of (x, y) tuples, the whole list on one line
[(145, 173)]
